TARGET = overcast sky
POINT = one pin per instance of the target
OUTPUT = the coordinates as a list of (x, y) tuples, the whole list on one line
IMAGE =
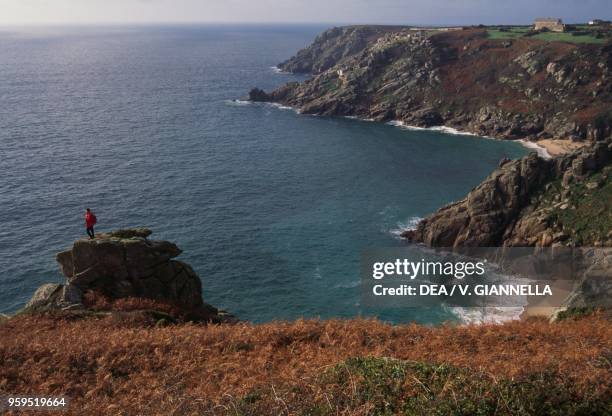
[(324, 11)]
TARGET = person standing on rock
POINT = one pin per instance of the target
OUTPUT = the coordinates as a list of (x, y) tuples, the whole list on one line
[(90, 221)]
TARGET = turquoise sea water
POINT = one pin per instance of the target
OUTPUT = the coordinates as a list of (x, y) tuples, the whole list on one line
[(272, 208)]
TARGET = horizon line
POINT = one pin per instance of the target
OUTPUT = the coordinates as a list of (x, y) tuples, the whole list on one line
[(253, 23)]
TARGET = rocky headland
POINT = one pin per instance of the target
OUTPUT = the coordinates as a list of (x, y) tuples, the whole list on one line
[(124, 271), (522, 88)]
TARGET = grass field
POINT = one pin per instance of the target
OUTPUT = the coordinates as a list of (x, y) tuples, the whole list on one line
[(520, 31), (510, 33)]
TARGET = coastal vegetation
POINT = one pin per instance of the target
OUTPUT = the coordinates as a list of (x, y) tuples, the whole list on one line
[(120, 364), (587, 214)]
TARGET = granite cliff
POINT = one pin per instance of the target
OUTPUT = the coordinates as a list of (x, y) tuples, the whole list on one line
[(521, 88), (532, 201)]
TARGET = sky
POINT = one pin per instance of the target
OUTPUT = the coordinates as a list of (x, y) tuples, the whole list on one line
[(461, 12)]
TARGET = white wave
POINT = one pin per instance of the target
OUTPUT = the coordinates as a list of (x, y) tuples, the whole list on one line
[(508, 308), (277, 70), (541, 151), (411, 224), (443, 129), (359, 118), (238, 102), (488, 315), (281, 106), (247, 102)]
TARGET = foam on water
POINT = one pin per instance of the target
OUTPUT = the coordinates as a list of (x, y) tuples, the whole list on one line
[(442, 129), (541, 151), (402, 226), (283, 107), (487, 315), (237, 102), (277, 70)]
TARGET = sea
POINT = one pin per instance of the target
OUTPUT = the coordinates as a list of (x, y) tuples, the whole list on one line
[(148, 126)]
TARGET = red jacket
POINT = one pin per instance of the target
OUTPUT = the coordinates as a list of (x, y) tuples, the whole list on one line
[(90, 219)]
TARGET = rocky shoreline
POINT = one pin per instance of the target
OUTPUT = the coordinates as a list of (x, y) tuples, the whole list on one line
[(522, 89)]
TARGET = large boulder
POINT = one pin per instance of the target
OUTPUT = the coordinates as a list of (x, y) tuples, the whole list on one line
[(55, 296), (257, 94), (124, 264)]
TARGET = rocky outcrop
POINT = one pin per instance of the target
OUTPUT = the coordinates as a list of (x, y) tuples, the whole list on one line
[(125, 264), (483, 217), (56, 296), (521, 89), (257, 94), (594, 289), (332, 46), (531, 202)]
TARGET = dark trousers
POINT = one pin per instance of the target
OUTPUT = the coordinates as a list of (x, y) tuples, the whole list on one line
[(90, 232)]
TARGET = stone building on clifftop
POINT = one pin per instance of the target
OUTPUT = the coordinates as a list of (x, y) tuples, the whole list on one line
[(549, 23)]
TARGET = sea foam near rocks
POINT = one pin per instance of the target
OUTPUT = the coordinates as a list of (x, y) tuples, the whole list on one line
[(443, 129), (541, 151), (487, 315), (402, 226)]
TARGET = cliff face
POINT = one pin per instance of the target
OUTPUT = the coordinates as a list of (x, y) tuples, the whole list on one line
[(531, 202), (522, 88), (333, 46), (125, 264)]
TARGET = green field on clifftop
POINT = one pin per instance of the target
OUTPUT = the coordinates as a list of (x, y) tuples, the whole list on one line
[(508, 33), (588, 35)]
